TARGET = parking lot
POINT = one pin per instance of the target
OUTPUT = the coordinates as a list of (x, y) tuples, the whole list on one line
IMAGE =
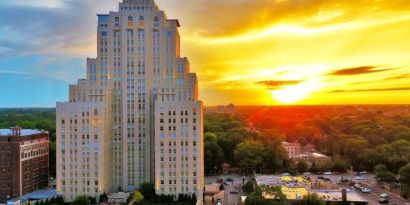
[(326, 181), (368, 181)]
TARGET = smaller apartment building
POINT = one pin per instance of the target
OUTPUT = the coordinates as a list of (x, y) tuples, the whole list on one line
[(24, 162)]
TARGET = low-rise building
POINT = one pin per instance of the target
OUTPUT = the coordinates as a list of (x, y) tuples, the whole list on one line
[(294, 188), (118, 198), (296, 152), (292, 148), (23, 162)]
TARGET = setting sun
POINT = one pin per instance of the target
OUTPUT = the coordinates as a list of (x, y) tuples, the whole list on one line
[(295, 93)]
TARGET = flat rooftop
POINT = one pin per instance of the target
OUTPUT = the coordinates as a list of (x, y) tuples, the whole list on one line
[(23, 132), (46, 193), (295, 187)]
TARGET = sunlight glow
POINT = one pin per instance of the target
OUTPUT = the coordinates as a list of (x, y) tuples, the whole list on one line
[(296, 93)]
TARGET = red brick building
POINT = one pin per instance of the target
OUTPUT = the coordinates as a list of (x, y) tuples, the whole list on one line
[(23, 162)]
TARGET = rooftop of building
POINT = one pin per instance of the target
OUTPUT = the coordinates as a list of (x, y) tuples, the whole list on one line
[(40, 194), (290, 143), (295, 187), (22, 132)]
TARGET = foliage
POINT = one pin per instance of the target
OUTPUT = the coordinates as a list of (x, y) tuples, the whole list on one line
[(405, 179), (250, 153), (249, 186), (53, 201), (311, 199), (302, 166), (357, 136), (383, 174), (81, 200), (275, 193), (147, 190), (103, 197), (214, 155), (137, 198)]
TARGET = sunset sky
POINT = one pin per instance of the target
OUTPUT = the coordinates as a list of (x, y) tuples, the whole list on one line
[(259, 52)]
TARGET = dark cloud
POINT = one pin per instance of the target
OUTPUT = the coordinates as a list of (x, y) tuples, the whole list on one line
[(277, 84), (358, 70), (372, 90)]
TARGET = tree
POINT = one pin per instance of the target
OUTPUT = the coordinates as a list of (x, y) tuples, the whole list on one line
[(147, 190), (249, 186), (405, 179), (302, 166), (250, 154), (405, 174), (103, 197), (214, 155), (383, 174), (311, 199), (81, 200), (137, 198)]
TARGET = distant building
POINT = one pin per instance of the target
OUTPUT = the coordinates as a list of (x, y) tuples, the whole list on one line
[(23, 162), (221, 109), (292, 148), (295, 151), (230, 109)]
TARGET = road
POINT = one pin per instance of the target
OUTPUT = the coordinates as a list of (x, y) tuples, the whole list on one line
[(229, 198)]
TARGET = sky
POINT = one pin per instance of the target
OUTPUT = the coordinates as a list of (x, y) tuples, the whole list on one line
[(259, 52)]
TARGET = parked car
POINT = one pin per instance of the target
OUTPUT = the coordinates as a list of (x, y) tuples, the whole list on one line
[(359, 178), (306, 173), (344, 179), (357, 186), (229, 179), (383, 201), (286, 174), (384, 195), (328, 173), (320, 177), (363, 172), (366, 190), (326, 178)]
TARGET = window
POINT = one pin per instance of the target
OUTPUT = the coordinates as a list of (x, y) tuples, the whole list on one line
[(141, 19), (117, 19), (156, 21), (129, 18)]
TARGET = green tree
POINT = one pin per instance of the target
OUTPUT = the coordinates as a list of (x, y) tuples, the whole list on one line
[(405, 179), (81, 200), (147, 190), (214, 155), (137, 198), (311, 199), (250, 154), (302, 166), (383, 174)]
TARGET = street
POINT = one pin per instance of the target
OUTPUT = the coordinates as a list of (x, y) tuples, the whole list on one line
[(229, 198)]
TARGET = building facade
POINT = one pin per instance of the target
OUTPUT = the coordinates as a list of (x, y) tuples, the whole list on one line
[(23, 162), (136, 118), (292, 148)]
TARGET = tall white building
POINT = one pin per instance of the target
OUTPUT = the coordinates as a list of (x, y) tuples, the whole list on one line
[(137, 117)]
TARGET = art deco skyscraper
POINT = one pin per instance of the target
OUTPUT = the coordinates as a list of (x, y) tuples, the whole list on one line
[(137, 117)]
